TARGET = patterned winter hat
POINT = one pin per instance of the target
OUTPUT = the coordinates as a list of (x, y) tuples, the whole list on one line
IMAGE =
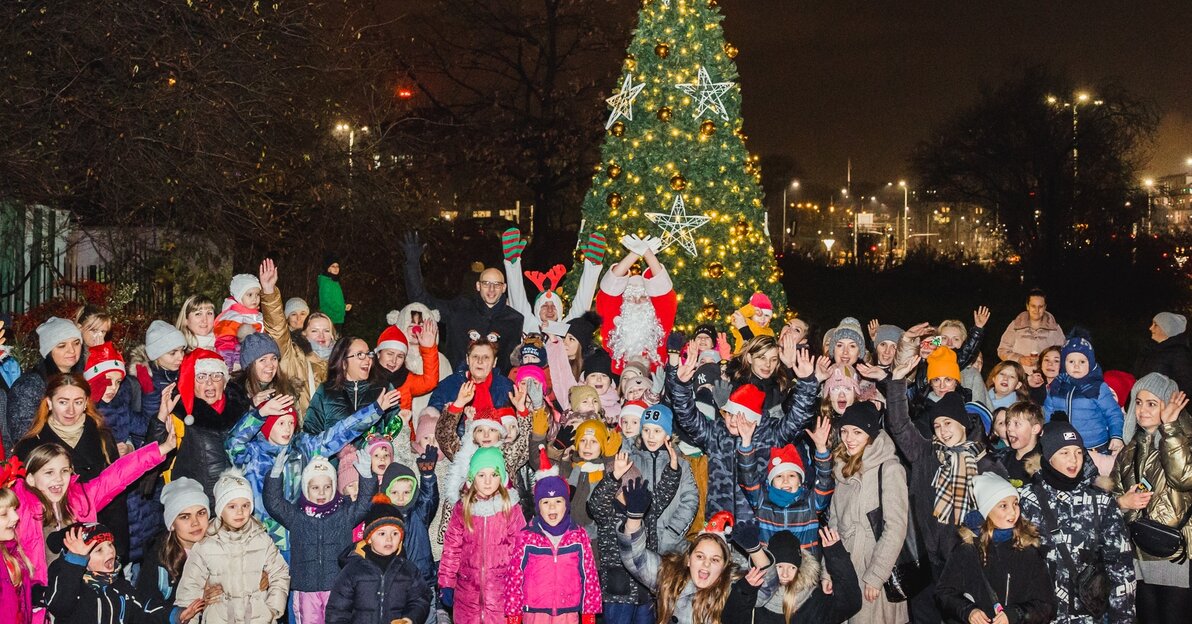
[(319, 466), (93, 534), (384, 513)]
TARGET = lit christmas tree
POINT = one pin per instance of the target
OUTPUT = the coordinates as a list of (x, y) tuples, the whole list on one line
[(674, 165)]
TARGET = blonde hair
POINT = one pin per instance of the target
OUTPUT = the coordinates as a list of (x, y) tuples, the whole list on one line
[(707, 606), (807, 574), (192, 303), (850, 464), (1027, 411), (470, 497), (17, 562), (953, 324), (58, 514), (1025, 536)]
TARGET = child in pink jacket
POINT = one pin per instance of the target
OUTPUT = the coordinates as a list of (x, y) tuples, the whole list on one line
[(479, 541), (51, 496), (552, 577)]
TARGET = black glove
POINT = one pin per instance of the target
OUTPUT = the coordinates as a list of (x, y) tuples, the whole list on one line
[(637, 499), (565, 437), (411, 245), (426, 461), (747, 536), (675, 342)]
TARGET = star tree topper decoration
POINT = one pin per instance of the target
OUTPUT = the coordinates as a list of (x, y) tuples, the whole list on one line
[(622, 102), (707, 94), (677, 226)]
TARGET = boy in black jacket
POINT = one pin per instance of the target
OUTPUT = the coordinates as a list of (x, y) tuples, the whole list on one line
[(86, 585)]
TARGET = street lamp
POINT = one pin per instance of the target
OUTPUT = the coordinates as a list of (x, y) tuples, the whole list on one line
[(340, 129), (794, 185), (906, 215), (1080, 99), (1149, 183)]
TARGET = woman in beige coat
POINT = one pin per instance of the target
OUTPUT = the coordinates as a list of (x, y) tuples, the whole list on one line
[(307, 371), (864, 453)]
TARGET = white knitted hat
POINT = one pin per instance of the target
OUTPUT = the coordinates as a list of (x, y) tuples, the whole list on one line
[(231, 485), (55, 331)]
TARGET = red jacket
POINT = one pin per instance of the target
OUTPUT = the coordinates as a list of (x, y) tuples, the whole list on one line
[(608, 306)]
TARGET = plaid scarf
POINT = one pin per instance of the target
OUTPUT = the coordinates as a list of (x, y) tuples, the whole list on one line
[(954, 482)]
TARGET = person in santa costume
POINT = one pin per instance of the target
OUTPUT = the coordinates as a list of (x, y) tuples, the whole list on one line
[(637, 311)]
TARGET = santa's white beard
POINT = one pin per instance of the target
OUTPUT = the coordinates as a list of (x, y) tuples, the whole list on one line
[(637, 332)]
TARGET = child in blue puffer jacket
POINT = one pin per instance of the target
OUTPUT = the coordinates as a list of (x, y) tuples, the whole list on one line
[(263, 432), (1080, 391)]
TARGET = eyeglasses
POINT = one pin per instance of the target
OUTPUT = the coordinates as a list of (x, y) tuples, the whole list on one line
[(363, 355), (212, 377), (492, 284)]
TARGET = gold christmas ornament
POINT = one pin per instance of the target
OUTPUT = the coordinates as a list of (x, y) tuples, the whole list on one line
[(741, 228), (664, 114), (709, 312), (715, 269), (631, 63), (708, 128), (731, 50), (618, 128), (614, 171), (614, 200), (662, 49), (678, 182)]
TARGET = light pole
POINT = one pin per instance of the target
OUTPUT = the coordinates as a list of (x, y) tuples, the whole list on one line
[(906, 215), (1081, 98), (341, 128), (795, 186), (1150, 188)]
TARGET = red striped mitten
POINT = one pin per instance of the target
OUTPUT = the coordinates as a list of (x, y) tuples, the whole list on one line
[(512, 244), (594, 250)]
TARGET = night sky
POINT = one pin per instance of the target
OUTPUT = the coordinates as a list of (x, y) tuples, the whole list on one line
[(828, 80)]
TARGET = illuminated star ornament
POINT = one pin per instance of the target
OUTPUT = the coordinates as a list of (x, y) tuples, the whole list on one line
[(677, 226), (707, 94), (622, 102)]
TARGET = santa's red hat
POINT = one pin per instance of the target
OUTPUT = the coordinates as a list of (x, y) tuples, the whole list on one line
[(760, 301), (101, 360), (501, 418), (633, 408), (746, 400), (720, 524), (783, 460), (195, 362), (393, 338)]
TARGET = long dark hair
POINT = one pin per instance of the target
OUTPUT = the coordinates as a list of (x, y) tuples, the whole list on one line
[(172, 555), (337, 363), (253, 386), (740, 369)]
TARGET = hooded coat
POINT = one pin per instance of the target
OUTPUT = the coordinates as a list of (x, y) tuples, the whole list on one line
[(552, 579), (476, 561), (235, 560), (1020, 575), (856, 496), (417, 516)]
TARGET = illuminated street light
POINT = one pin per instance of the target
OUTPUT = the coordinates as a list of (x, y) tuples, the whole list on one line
[(794, 185), (1079, 99)]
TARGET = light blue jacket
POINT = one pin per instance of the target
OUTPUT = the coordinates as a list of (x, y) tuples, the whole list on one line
[(1096, 420)]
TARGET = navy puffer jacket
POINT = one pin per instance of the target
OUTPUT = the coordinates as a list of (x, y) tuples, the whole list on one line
[(366, 594)]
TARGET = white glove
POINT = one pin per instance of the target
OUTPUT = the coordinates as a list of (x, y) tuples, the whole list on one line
[(634, 244), (653, 243), (363, 465), (279, 463)]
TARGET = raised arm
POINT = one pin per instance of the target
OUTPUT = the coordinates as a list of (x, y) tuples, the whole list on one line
[(413, 247), (898, 422)]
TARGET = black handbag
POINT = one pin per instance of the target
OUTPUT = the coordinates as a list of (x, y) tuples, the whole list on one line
[(1155, 538), (1089, 589), (907, 577)]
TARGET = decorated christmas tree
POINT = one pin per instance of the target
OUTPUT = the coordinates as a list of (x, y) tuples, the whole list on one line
[(674, 165)]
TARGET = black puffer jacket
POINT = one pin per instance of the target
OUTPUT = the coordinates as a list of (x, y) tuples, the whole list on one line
[(1172, 357), (365, 594), (200, 454), (465, 313), (95, 451)]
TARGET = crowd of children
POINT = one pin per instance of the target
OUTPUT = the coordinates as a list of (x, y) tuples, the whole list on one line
[(547, 466)]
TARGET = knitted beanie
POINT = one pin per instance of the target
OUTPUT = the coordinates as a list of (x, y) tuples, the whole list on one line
[(1057, 435), (231, 486), (256, 346), (1157, 384), (241, 284), (942, 363), (54, 331), (1171, 323), (179, 495), (785, 548), (661, 416), (384, 513), (92, 533), (530, 371), (161, 338), (488, 457), (887, 333), (850, 329), (990, 489), (578, 393), (296, 304), (862, 415), (1081, 345), (318, 466), (952, 406)]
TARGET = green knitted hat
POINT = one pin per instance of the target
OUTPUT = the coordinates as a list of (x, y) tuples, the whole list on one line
[(488, 457)]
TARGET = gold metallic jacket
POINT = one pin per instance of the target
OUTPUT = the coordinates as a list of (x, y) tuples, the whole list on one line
[(1166, 462)]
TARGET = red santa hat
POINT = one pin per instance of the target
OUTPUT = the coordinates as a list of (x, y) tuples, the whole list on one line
[(101, 360), (760, 301), (747, 400), (633, 408), (393, 338), (783, 460), (720, 524), (501, 418), (196, 362)]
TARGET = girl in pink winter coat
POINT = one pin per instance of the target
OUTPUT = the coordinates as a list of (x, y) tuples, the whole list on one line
[(479, 542), (552, 576), (52, 498), (16, 598)]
